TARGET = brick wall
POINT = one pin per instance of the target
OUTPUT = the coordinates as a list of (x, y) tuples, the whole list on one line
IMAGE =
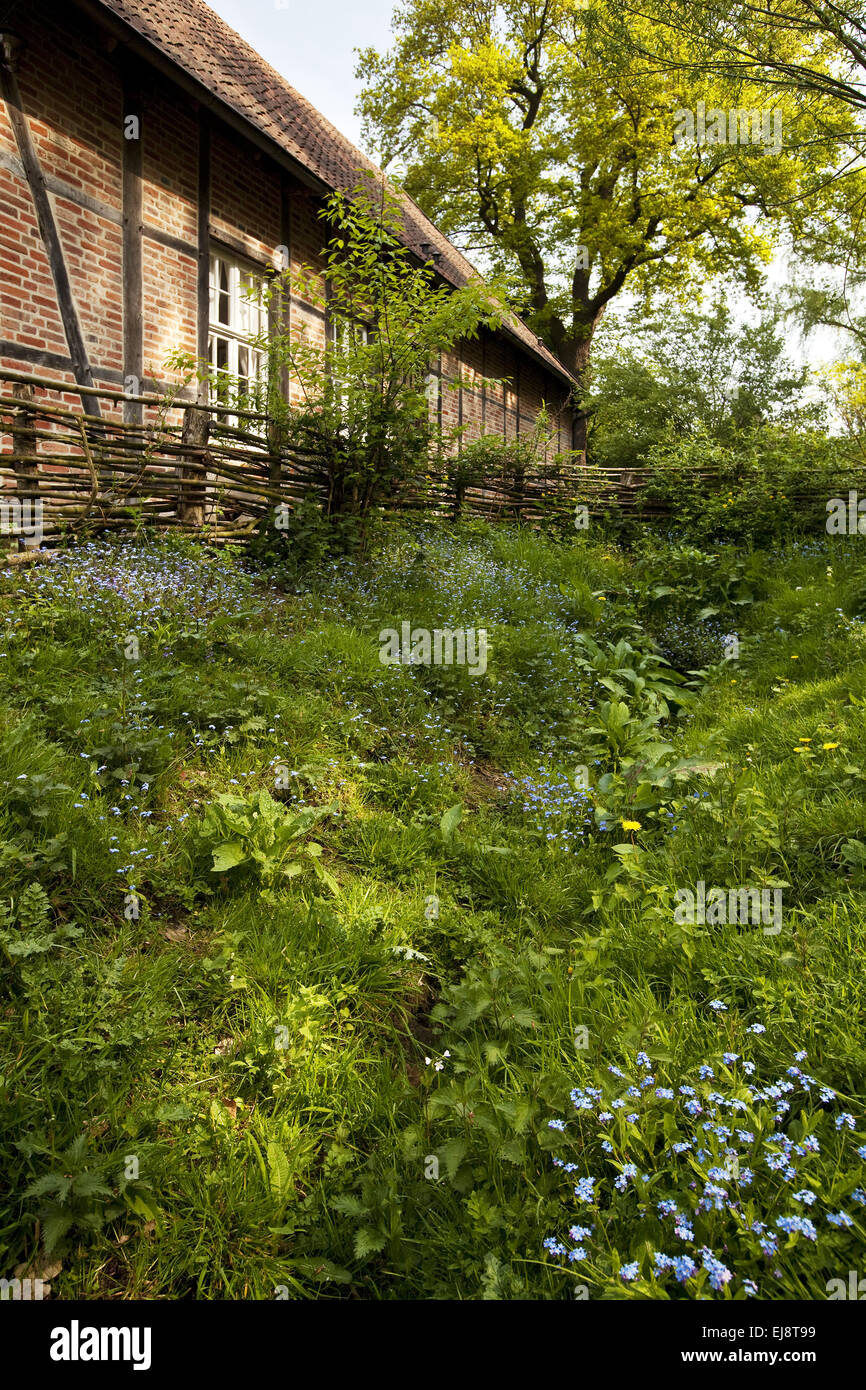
[(73, 91), (245, 197), (308, 313)]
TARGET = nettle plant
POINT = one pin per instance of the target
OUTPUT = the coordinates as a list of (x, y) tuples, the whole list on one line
[(82, 1192), (712, 1184)]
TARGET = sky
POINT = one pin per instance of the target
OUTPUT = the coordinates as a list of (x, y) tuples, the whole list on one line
[(312, 43)]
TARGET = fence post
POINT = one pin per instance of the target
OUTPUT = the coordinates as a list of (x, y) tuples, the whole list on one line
[(24, 446), (276, 439), (191, 494)]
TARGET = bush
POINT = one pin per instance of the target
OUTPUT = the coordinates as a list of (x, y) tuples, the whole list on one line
[(767, 486)]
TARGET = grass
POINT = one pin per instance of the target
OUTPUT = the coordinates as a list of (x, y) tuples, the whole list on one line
[(340, 1083)]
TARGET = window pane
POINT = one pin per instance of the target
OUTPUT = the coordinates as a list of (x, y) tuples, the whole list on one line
[(237, 314), (224, 304)]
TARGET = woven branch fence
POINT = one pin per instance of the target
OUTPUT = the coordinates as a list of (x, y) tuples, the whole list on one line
[(193, 466), (224, 471)]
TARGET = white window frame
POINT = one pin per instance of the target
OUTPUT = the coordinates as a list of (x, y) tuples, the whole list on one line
[(233, 321), (341, 325)]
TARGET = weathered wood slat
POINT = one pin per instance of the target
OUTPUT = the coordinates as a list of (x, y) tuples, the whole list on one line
[(196, 472)]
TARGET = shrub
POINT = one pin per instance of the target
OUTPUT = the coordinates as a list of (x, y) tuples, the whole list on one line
[(767, 486)]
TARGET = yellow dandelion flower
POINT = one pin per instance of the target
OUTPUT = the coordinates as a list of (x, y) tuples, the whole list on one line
[(805, 740), (829, 745), (631, 825)]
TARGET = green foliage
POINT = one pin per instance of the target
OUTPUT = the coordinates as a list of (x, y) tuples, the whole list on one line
[(365, 413), (77, 1194), (644, 676), (724, 1185), (349, 1094), (768, 486), (256, 834), (690, 373), (488, 458), (545, 134)]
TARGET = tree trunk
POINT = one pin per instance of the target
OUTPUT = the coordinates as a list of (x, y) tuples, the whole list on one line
[(573, 350)]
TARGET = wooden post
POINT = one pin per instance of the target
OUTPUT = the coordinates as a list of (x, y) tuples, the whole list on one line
[(517, 397), (195, 431), (24, 444), (203, 272), (48, 230), (280, 324), (483, 382), (133, 218), (459, 355), (192, 490)]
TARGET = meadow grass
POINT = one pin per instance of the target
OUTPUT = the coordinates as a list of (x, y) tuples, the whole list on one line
[(330, 1070)]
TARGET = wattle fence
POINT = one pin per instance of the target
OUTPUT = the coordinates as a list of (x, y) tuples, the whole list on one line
[(78, 459), (100, 459)]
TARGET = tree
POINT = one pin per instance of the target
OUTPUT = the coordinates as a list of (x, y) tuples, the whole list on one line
[(685, 374), (808, 46), (364, 411), (812, 50), (536, 132)]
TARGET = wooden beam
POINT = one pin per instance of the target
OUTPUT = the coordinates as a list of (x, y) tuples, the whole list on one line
[(174, 243), (280, 323), (517, 397), (203, 276), (192, 499), (19, 352), (133, 217), (286, 297), (439, 397), (459, 397), (45, 217), (64, 190)]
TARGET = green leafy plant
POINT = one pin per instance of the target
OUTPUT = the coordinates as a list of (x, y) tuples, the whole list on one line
[(257, 835), (625, 736), (644, 677), (79, 1195), (364, 415)]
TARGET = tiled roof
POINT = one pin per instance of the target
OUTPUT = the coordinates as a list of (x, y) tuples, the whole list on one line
[(195, 39)]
